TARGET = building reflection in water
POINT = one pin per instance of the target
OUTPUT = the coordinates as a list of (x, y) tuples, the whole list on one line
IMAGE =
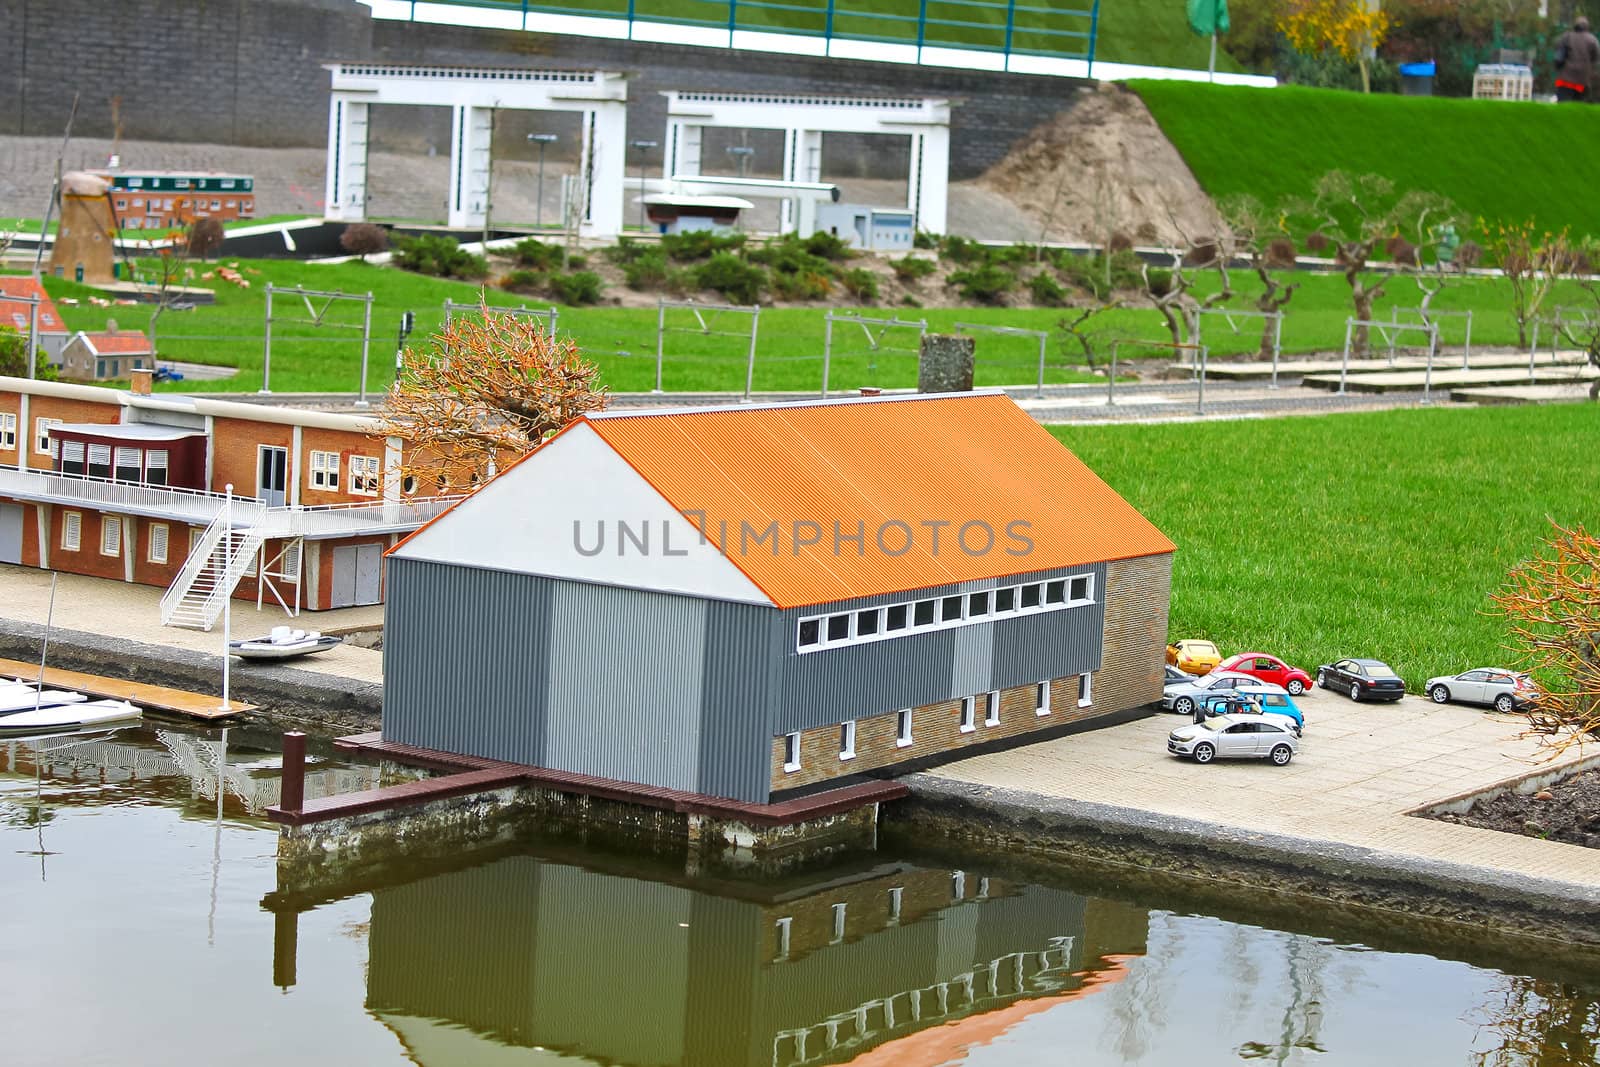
[(596, 961)]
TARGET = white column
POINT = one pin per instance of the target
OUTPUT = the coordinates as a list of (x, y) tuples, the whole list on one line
[(686, 143), (803, 156), (345, 192), (609, 149), (298, 461), (930, 178), (470, 129), (791, 172)]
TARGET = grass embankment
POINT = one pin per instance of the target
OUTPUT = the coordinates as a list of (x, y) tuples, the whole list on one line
[(623, 340), (1495, 160), (1364, 535)]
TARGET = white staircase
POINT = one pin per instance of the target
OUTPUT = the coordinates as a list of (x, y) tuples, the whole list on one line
[(212, 572)]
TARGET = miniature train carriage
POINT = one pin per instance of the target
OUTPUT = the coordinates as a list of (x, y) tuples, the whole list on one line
[(745, 602)]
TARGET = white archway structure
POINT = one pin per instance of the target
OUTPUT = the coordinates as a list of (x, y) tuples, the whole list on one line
[(473, 94), (803, 120)]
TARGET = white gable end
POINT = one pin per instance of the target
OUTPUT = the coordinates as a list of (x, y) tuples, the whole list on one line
[(577, 510)]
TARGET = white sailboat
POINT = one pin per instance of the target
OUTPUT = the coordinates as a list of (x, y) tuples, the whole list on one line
[(30, 709)]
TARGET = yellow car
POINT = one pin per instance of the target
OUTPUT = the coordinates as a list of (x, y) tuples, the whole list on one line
[(1193, 657)]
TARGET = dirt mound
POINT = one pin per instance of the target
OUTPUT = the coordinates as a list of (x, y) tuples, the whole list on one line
[(1102, 166)]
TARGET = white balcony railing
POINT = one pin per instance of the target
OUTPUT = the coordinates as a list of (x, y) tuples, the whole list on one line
[(198, 507)]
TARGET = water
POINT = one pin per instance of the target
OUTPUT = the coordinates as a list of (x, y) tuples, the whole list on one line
[(141, 927)]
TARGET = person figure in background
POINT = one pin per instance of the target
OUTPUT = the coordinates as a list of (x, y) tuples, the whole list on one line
[(1577, 56)]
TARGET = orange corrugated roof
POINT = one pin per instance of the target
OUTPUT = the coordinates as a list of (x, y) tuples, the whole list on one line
[(120, 343), (14, 313), (960, 459)]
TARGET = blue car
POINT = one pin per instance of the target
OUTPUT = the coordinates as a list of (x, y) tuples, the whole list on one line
[(1268, 700)]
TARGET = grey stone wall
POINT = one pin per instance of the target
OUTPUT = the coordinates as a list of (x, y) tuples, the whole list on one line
[(249, 72)]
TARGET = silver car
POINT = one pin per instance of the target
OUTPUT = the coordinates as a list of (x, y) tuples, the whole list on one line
[(1236, 737), (1505, 690), (1182, 698)]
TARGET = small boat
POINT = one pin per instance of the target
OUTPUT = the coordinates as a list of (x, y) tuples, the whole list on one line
[(68, 717), (23, 696), (283, 643)]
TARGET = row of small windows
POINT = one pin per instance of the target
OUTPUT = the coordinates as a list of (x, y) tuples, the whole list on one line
[(967, 721), (783, 928), (138, 465), (896, 620), (365, 474)]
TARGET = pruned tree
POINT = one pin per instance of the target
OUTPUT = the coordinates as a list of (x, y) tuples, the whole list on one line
[(1552, 604), (1356, 217), (1258, 236), (205, 237), (1352, 28), (1170, 287), (490, 388), (1531, 262), (364, 239), (1080, 327)]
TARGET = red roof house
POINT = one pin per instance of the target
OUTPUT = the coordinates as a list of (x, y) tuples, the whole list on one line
[(15, 313), (105, 356)]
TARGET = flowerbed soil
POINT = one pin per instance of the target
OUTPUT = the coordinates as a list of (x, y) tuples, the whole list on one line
[(1570, 812)]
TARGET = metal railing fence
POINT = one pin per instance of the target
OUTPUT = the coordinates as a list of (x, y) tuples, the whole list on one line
[(1006, 27)]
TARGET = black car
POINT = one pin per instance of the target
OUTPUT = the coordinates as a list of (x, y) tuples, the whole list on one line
[(1362, 679)]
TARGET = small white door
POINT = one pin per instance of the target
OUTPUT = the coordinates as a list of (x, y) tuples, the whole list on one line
[(272, 478)]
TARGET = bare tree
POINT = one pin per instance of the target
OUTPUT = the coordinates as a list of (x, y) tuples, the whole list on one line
[(1531, 262), (1552, 603), (1583, 330), (491, 388), (1257, 236)]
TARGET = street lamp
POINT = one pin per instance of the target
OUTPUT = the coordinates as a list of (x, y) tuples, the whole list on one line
[(742, 152), (643, 147), (542, 140)]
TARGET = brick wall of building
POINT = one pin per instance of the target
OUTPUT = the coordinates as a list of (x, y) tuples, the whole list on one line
[(250, 72), (235, 455), (1137, 595), (346, 444)]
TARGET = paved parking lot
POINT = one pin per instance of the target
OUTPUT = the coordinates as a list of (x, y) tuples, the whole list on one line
[(1359, 769)]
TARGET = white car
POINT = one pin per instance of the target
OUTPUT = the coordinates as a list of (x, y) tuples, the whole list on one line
[(1504, 690), (1182, 698), (1236, 737)]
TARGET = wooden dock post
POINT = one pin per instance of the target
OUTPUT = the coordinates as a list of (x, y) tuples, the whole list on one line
[(293, 797)]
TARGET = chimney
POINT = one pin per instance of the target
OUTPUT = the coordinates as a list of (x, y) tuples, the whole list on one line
[(141, 378), (871, 390), (111, 326)]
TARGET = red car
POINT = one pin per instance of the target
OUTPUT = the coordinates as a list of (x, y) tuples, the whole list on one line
[(1268, 669)]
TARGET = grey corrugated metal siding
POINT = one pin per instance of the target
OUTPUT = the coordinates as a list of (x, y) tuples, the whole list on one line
[(743, 651), (465, 661), (576, 677), (624, 688)]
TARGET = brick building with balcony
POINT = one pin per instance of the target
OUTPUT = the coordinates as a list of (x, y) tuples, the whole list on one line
[(125, 485), (770, 601)]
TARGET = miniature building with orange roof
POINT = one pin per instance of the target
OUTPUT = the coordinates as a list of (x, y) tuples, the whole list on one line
[(106, 355), (17, 313), (760, 601)]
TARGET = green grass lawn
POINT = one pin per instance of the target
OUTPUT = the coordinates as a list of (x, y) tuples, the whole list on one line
[(1363, 535), (1495, 160), (623, 341)]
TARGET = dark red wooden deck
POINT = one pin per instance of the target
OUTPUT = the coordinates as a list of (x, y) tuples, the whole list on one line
[(471, 774)]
